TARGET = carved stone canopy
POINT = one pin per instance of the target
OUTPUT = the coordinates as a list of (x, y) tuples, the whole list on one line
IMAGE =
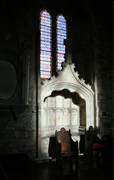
[(66, 94), (69, 79)]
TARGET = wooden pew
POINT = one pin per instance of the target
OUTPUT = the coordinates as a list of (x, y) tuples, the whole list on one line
[(65, 146)]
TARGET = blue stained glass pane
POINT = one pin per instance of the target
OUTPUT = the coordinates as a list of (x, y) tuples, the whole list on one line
[(61, 25), (61, 18), (44, 13), (45, 44), (45, 28), (45, 36), (60, 48), (45, 74), (44, 69), (60, 39), (46, 53), (61, 35), (60, 61), (45, 58), (60, 58), (45, 63), (45, 22), (59, 64), (59, 67), (45, 66), (61, 32)]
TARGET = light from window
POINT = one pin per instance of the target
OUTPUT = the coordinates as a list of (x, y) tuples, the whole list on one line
[(45, 45), (61, 34)]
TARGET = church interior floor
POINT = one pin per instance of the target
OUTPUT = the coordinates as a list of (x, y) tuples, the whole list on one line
[(87, 170)]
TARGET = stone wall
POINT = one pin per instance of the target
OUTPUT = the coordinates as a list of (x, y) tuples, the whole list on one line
[(90, 32), (104, 64), (92, 53), (18, 134)]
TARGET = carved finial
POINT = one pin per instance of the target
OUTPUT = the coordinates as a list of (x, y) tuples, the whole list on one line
[(68, 55)]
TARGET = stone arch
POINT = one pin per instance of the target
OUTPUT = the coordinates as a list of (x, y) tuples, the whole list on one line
[(68, 79)]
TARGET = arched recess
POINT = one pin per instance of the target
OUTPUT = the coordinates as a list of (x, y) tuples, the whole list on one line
[(68, 110), (67, 79)]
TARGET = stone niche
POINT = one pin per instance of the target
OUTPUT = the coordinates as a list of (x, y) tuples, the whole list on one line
[(66, 101), (62, 109)]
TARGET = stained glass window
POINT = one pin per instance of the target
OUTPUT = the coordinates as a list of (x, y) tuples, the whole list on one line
[(45, 45), (61, 34)]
